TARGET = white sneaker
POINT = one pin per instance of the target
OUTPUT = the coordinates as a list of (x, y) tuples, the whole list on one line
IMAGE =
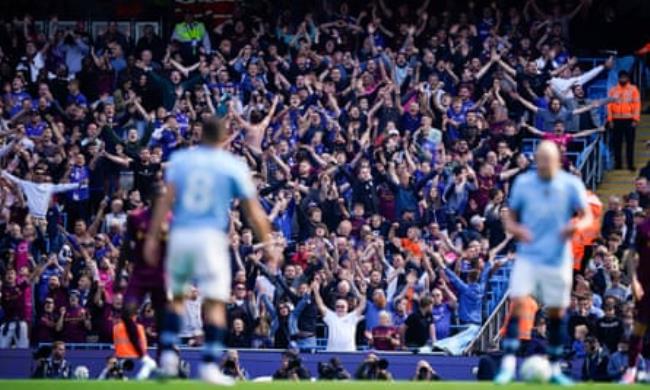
[(148, 365), (507, 371), (210, 372), (169, 362), (629, 377)]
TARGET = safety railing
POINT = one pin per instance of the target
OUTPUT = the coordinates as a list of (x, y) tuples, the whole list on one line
[(589, 160), (488, 334), (591, 163)]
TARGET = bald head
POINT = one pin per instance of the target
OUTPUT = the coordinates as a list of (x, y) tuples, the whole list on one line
[(547, 159)]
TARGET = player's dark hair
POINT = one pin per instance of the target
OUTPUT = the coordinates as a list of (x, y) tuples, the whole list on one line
[(213, 130)]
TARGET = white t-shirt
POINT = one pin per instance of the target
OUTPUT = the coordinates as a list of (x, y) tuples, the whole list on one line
[(341, 331)]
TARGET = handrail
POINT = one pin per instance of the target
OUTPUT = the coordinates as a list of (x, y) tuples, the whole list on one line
[(590, 163), (488, 330)]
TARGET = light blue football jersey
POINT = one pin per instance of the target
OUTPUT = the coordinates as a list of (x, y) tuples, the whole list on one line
[(206, 181), (544, 207)]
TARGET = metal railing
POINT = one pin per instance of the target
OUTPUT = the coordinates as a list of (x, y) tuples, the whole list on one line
[(591, 163), (488, 334)]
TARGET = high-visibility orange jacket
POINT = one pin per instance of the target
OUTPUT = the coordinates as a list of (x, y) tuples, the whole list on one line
[(526, 319), (644, 50), (588, 235), (627, 103), (123, 347)]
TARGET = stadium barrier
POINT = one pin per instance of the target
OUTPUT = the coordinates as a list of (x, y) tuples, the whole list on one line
[(488, 334), (19, 363)]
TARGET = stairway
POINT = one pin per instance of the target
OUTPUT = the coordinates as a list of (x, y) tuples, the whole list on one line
[(621, 182)]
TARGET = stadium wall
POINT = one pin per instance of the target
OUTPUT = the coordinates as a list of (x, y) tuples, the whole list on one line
[(18, 364)]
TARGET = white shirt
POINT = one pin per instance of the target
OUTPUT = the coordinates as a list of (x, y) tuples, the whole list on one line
[(111, 218), (39, 194), (265, 287), (563, 87), (191, 321), (341, 331)]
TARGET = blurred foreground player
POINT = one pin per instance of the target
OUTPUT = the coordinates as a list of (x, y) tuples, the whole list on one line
[(640, 274), (201, 184), (145, 280), (542, 204)]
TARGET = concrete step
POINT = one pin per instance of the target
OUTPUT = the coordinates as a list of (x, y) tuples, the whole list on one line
[(621, 182)]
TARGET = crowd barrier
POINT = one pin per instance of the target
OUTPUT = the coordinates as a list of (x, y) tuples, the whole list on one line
[(19, 363)]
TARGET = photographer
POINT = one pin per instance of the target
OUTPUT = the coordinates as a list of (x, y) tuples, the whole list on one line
[(51, 363), (332, 370), (373, 368), (116, 369), (230, 366), (291, 368), (424, 372)]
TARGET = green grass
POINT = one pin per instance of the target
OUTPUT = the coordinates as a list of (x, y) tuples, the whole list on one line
[(195, 385)]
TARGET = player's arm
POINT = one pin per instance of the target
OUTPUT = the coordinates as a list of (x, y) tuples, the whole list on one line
[(584, 218), (161, 209), (512, 225), (632, 261), (516, 203)]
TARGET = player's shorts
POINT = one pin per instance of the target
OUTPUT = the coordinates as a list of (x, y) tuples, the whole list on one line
[(550, 284), (199, 255), (137, 292)]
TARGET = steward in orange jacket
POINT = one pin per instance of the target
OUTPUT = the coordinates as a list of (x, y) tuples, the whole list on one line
[(623, 115)]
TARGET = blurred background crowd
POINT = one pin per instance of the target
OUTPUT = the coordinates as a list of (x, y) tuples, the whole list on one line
[(384, 137)]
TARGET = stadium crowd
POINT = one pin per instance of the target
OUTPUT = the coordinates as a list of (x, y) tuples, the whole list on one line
[(384, 141)]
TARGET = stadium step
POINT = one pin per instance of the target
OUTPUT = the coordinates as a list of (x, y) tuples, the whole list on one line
[(621, 182)]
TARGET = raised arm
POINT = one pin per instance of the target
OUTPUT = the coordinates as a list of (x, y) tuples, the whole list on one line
[(57, 188), (590, 106), (13, 179), (361, 308), (315, 288), (509, 69), (385, 9), (453, 278), (525, 102), (533, 130), (183, 69), (141, 110), (585, 133), (576, 10), (124, 161), (99, 217)]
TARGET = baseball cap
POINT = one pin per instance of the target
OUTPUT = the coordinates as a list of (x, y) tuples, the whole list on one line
[(477, 219), (393, 132), (633, 196)]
